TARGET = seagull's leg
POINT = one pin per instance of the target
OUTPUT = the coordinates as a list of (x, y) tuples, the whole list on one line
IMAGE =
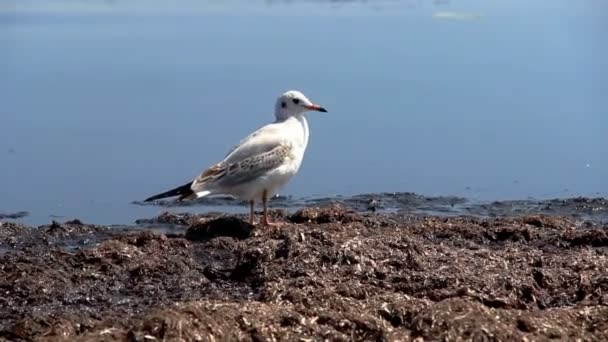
[(265, 220), (265, 203), (251, 213)]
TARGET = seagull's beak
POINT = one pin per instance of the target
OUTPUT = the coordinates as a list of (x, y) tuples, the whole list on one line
[(315, 108)]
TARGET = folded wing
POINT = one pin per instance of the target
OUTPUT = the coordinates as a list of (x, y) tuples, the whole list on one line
[(252, 157)]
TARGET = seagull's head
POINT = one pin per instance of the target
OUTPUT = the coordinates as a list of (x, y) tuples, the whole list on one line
[(293, 103)]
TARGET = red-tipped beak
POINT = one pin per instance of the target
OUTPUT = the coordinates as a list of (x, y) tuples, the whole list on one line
[(316, 108)]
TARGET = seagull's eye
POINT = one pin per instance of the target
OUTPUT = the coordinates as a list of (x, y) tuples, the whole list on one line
[(296, 101), (283, 104)]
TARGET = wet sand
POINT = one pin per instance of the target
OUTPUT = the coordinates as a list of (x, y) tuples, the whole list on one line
[(354, 272)]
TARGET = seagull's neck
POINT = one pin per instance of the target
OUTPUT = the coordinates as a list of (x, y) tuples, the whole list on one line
[(299, 123), (302, 120)]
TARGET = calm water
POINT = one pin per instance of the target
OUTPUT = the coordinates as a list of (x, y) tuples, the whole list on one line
[(103, 103)]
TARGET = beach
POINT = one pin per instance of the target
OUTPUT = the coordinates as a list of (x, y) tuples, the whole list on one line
[(327, 273)]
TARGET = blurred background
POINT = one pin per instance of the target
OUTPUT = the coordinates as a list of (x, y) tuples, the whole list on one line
[(107, 102)]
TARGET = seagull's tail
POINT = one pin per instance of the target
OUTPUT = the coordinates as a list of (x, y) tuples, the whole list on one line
[(184, 192)]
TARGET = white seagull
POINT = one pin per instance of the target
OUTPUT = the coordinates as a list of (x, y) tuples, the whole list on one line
[(262, 163)]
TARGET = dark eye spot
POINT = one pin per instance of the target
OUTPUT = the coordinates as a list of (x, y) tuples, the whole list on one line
[(296, 101), (283, 104)]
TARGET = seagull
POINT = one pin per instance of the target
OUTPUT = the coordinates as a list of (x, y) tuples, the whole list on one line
[(262, 163)]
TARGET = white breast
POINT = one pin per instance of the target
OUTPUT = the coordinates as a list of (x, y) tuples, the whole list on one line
[(293, 131), (300, 135), (297, 133)]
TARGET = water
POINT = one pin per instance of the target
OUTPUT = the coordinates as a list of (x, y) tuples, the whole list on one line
[(104, 103)]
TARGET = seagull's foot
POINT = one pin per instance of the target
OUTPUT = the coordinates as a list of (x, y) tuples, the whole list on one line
[(274, 227)]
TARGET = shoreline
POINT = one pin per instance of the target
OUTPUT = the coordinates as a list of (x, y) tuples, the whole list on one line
[(589, 208)]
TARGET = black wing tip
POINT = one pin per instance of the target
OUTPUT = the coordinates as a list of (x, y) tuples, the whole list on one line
[(182, 191)]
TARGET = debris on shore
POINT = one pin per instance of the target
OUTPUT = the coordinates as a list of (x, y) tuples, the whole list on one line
[(327, 273)]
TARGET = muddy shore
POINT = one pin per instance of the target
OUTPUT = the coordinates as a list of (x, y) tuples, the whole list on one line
[(328, 273)]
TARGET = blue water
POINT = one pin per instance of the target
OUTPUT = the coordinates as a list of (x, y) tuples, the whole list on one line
[(103, 103)]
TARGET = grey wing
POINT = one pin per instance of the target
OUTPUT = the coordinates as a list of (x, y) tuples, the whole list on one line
[(235, 147), (262, 140), (227, 174), (248, 138)]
